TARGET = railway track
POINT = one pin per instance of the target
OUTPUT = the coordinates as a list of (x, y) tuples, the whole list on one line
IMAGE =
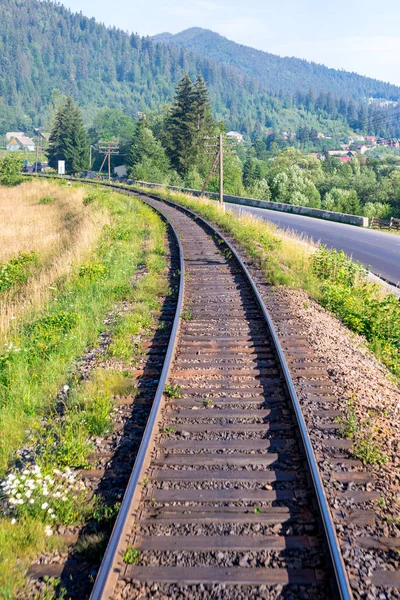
[(225, 499)]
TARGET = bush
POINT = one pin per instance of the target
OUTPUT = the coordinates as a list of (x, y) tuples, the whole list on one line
[(17, 271), (10, 169)]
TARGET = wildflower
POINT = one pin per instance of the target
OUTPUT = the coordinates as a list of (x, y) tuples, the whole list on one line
[(31, 501), (28, 493), (48, 531), (13, 521), (44, 505)]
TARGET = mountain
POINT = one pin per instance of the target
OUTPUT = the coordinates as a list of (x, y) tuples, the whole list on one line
[(276, 73), (47, 51)]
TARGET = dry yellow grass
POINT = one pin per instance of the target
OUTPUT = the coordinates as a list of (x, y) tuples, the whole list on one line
[(61, 233)]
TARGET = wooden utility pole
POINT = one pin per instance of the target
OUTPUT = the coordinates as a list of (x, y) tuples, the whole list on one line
[(108, 149), (219, 145), (221, 170)]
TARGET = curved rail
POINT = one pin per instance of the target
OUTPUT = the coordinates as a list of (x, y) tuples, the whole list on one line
[(333, 544), (337, 559), (106, 577)]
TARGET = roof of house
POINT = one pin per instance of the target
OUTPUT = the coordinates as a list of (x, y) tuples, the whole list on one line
[(13, 142), (25, 140), (14, 134), (344, 159)]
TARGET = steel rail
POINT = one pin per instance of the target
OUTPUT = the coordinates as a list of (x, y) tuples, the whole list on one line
[(341, 578), (105, 573), (333, 544)]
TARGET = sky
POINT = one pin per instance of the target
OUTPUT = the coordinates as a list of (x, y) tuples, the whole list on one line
[(355, 35)]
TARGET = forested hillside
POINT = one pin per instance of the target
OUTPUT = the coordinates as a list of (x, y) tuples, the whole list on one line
[(287, 75), (48, 51)]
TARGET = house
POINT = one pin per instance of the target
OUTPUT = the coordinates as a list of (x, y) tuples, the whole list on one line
[(336, 152), (371, 139), (24, 142), (344, 159), (14, 134), (13, 145), (362, 149), (236, 136)]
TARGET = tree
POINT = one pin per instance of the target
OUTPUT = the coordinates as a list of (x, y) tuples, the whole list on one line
[(249, 172), (68, 140), (181, 127), (187, 125), (147, 158)]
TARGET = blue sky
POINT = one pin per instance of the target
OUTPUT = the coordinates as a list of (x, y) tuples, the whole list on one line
[(356, 35)]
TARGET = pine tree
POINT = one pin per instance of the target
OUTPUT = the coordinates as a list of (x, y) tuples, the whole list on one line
[(181, 127), (68, 140)]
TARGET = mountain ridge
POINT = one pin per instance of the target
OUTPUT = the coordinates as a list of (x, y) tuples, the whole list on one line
[(259, 64)]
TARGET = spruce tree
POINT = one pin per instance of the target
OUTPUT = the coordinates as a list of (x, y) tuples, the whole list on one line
[(181, 129), (68, 140)]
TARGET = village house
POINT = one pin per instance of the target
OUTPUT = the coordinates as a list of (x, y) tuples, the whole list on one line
[(236, 135), (19, 141)]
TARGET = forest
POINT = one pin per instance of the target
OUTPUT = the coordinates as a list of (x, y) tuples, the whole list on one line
[(179, 148), (47, 52)]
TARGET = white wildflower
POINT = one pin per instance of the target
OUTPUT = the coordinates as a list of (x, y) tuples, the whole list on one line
[(13, 521), (31, 501), (44, 505), (28, 493), (48, 531)]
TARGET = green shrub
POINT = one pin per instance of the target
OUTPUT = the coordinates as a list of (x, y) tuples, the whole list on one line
[(17, 271)]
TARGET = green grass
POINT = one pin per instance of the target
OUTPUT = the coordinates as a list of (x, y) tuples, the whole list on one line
[(39, 357)]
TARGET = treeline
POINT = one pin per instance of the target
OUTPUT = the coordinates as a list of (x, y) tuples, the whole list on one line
[(47, 51), (179, 148)]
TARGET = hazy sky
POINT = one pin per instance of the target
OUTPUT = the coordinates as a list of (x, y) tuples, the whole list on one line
[(356, 35)]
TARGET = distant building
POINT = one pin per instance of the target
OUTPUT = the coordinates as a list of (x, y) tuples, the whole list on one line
[(19, 141), (13, 145), (236, 135), (344, 159), (121, 171), (14, 134)]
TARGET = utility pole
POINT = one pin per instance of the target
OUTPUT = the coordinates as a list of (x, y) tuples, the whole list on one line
[(108, 149), (90, 157), (220, 144), (221, 170)]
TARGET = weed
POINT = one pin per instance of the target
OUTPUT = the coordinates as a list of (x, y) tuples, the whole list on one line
[(172, 391), (306, 305), (382, 502), (145, 481), (369, 451), (168, 430), (257, 511), (350, 425), (131, 556), (187, 314), (207, 403), (92, 270), (46, 200)]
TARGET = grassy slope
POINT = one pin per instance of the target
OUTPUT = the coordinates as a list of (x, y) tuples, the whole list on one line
[(45, 346)]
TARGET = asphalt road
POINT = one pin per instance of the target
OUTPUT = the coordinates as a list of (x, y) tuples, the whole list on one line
[(378, 250)]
